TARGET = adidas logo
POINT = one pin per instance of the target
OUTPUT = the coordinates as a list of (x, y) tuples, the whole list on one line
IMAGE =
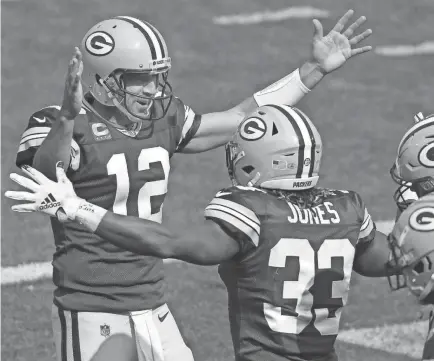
[(49, 202)]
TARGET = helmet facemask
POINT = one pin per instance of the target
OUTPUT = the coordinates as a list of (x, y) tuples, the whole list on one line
[(159, 103), (404, 270), (400, 198), (234, 154), (420, 186)]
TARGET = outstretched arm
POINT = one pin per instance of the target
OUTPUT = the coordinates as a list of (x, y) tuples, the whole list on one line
[(329, 53), (134, 234), (153, 239)]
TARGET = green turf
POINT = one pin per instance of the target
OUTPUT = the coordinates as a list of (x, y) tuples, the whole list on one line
[(361, 111)]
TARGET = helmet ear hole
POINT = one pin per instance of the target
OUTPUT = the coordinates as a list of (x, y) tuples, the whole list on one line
[(248, 169), (424, 265), (419, 268)]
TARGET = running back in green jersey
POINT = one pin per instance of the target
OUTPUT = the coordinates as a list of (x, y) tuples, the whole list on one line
[(290, 281)]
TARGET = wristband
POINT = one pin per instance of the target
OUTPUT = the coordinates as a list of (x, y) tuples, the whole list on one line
[(286, 91), (90, 215)]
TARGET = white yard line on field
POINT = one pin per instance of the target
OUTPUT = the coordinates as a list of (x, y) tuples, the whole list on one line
[(301, 12), (29, 272)]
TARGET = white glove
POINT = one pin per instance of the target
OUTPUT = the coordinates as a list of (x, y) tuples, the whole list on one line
[(48, 197)]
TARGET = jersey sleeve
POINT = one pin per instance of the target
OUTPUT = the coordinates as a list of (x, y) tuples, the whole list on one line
[(188, 125), (367, 228), (235, 217), (38, 127)]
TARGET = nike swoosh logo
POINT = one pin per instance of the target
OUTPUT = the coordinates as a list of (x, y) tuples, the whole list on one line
[(162, 318), (219, 194), (39, 120)]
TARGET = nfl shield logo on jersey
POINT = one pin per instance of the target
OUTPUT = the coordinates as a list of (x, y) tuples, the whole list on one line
[(104, 330)]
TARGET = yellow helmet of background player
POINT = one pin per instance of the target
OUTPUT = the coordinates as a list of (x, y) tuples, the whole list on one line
[(123, 45), (275, 147), (414, 164), (412, 245)]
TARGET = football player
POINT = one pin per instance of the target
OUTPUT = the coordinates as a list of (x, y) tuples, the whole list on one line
[(116, 137), (287, 248), (412, 238), (412, 243), (405, 194)]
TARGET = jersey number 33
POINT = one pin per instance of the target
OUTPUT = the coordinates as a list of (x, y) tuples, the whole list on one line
[(299, 290)]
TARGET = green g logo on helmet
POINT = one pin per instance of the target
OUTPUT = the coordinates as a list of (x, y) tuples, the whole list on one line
[(253, 129), (422, 219)]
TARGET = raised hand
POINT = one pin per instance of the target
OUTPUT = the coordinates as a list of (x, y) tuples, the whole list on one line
[(334, 49), (73, 93)]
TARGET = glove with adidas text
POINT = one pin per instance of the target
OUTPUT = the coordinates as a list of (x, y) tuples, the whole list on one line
[(56, 199)]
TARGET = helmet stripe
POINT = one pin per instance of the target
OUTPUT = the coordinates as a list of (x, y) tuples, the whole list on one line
[(160, 39), (155, 35), (301, 144), (303, 117), (154, 46), (306, 137), (414, 129)]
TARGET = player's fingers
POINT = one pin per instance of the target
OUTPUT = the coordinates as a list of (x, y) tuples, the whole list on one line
[(358, 38), (21, 196), (60, 173), (343, 20), (78, 54), (77, 78), (72, 62), (354, 26), (80, 70), (24, 182), (361, 50), (35, 174), (31, 207), (318, 29)]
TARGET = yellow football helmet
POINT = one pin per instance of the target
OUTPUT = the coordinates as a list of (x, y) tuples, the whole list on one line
[(413, 169), (412, 249), (275, 147), (123, 45)]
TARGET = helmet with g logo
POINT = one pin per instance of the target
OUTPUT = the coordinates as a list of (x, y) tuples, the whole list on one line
[(275, 147), (115, 47), (412, 246), (414, 165)]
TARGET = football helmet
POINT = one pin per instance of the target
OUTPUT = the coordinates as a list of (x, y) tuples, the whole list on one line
[(275, 147), (412, 249), (413, 169), (121, 45)]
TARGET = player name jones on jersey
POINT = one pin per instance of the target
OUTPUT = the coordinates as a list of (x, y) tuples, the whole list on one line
[(321, 214)]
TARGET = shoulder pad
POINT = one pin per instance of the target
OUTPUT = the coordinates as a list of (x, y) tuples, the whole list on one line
[(231, 210), (38, 127)]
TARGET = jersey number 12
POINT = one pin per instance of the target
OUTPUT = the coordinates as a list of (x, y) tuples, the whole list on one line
[(117, 165)]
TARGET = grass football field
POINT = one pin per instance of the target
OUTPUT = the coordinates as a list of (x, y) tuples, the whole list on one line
[(361, 110)]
